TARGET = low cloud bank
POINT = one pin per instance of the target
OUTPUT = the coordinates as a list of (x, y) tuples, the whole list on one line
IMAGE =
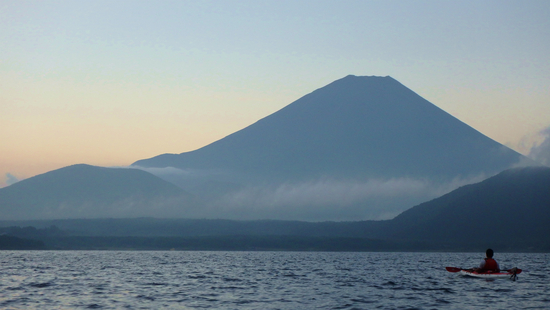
[(541, 152), (160, 172), (171, 173), (316, 200), (327, 199)]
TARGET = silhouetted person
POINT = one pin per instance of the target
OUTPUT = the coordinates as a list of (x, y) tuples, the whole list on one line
[(488, 264)]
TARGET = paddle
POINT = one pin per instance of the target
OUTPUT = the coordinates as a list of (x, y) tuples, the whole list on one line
[(455, 269)]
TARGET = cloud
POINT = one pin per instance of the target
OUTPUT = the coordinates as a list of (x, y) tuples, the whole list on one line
[(541, 152), (328, 199), (322, 199), (11, 179), (172, 172)]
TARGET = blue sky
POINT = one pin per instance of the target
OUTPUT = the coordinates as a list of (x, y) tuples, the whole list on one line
[(110, 82)]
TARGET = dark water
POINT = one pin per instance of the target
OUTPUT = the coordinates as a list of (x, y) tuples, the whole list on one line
[(264, 280)]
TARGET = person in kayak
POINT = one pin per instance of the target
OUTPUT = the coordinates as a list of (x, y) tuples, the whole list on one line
[(489, 264)]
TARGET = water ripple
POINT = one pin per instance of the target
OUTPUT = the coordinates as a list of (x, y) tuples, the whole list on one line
[(266, 280)]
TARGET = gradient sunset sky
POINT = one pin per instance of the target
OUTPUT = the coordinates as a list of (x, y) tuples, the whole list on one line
[(110, 82)]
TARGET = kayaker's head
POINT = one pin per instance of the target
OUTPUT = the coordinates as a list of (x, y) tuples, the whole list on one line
[(489, 253)]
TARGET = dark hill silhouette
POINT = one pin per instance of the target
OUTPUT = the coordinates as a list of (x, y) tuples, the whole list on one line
[(83, 191), (352, 131), (511, 207)]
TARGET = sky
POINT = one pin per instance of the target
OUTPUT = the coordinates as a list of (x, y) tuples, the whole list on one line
[(108, 83)]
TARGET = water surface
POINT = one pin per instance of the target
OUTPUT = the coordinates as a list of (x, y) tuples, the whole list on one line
[(264, 280)]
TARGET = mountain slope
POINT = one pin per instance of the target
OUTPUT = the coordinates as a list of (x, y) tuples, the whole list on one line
[(83, 191), (511, 206)]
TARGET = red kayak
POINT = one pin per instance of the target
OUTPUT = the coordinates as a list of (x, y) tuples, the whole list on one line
[(510, 273)]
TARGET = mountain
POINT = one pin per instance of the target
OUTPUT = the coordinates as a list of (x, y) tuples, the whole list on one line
[(512, 207), (83, 191), (354, 127), (358, 148)]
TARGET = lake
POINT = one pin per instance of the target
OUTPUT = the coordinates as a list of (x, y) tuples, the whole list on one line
[(265, 280)]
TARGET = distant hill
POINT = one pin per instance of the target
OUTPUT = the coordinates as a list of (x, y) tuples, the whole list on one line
[(512, 207), (358, 148), (83, 191)]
